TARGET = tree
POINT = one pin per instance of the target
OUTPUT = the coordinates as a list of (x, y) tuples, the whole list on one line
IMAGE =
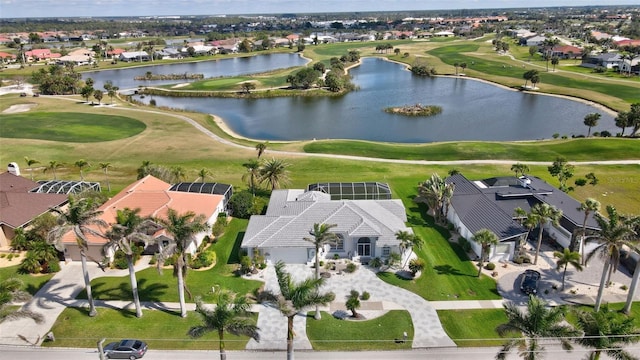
[(615, 233), (543, 213), (11, 291), (81, 164), (486, 239), (105, 169), (252, 174), (634, 223), (591, 120), (566, 258), (184, 229), (178, 173), (129, 230), (587, 207), (532, 51), (520, 168), (296, 296), (53, 166), (622, 121), (535, 79), (528, 75), (456, 65), (633, 118), (321, 235), (203, 174), (563, 171), (98, 95), (111, 89), (604, 331), (229, 313), (539, 322), (30, 162), (274, 172), (82, 217), (555, 61), (548, 45), (353, 303), (436, 192), (261, 147), (463, 66), (407, 241), (247, 86)]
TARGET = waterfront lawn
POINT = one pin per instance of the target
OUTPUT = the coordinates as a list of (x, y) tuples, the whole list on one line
[(160, 329), (69, 127), (32, 283), (470, 328), (153, 286), (379, 333)]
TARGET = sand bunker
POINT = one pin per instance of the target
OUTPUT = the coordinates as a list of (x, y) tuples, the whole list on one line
[(18, 108)]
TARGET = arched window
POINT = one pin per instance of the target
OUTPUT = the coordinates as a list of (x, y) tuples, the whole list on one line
[(364, 246)]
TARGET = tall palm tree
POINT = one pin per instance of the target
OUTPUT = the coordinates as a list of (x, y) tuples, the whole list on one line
[(30, 162), (543, 213), (128, 230), (184, 229), (81, 164), (274, 172), (82, 217), (539, 322), (261, 147), (587, 207), (566, 258), (11, 291), (203, 174), (634, 222), (408, 241), (591, 120), (295, 297), (606, 332), (486, 239), (53, 166), (321, 235), (252, 174), (436, 192), (613, 236), (105, 169), (229, 314)]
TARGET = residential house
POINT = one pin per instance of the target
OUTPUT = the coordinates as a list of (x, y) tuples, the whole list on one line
[(134, 56), (78, 57), (39, 55), (7, 58), (365, 228), (535, 40), (153, 197), (491, 204), (168, 53), (566, 52), (606, 60), (630, 66)]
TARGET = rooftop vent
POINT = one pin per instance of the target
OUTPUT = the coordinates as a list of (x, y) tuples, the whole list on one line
[(13, 168), (525, 182)]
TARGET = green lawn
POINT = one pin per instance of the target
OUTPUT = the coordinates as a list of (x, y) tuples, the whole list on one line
[(69, 127), (153, 286), (160, 329), (361, 335), (572, 149), (32, 283), (469, 328)]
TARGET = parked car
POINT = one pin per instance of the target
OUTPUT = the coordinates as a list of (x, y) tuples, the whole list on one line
[(126, 349), (529, 283)]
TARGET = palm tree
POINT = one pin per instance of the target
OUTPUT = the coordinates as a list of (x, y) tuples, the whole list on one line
[(105, 169), (30, 163), (128, 230), (486, 239), (11, 291), (321, 235), (184, 229), (407, 241), (275, 173), (252, 174), (539, 322), (520, 168), (296, 296), (634, 222), (203, 174), (81, 217), (353, 303), (81, 164), (588, 206), (622, 121), (604, 331), (591, 120), (543, 213), (53, 166), (228, 315), (613, 236), (566, 258), (261, 147), (178, 173), (436, 192)]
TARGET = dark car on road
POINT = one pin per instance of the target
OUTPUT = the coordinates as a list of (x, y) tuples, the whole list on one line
[(126, 349), (529, 283)]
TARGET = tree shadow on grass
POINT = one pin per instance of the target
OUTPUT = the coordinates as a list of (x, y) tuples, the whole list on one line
[(449, 270)]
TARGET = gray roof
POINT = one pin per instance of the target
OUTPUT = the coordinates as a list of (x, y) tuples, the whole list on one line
[(292, 213)]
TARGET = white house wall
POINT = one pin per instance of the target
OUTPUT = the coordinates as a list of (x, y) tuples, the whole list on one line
[(289, 255)]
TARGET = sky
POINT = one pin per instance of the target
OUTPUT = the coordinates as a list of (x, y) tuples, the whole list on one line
[(98, 8)]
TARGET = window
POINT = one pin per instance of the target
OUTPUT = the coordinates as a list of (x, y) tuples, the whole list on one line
[(339, 244), (364, 246), (386, 251)]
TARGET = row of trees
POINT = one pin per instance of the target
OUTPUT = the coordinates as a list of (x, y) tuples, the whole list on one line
[(81, 164)]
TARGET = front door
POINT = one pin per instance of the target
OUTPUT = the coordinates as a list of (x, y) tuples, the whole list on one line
[(364, 247)]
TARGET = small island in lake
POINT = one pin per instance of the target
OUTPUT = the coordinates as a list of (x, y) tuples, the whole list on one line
[(415, 110), (151, 76)]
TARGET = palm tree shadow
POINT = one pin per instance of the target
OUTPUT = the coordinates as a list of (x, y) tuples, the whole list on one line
[(150, 292), (449, 270)]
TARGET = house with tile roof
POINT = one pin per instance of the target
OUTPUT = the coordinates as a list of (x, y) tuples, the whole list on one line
[(490, 204), (19, 205), (154, 198), (365, 228)]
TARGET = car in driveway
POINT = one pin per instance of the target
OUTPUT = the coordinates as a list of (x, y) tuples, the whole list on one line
[(126, 349), (529, 282)]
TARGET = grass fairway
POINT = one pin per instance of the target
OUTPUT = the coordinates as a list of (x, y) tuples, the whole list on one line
[(153, 286), (470, 328), (69, 127), (361, 335), (160, 329)]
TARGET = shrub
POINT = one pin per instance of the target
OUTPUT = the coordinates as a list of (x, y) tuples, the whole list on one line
[(624, 288), (154, 259), (416, 265), (490, 266), (556, 135), (605, 133), (54, 267), (241, 204), (321, 263), (351, 267), (464, 244), (3, 255), (10, 257), (365, 296), (204, 259), (375, 262), (336, 256), (394, 259), (219, 226), (245, 264)]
